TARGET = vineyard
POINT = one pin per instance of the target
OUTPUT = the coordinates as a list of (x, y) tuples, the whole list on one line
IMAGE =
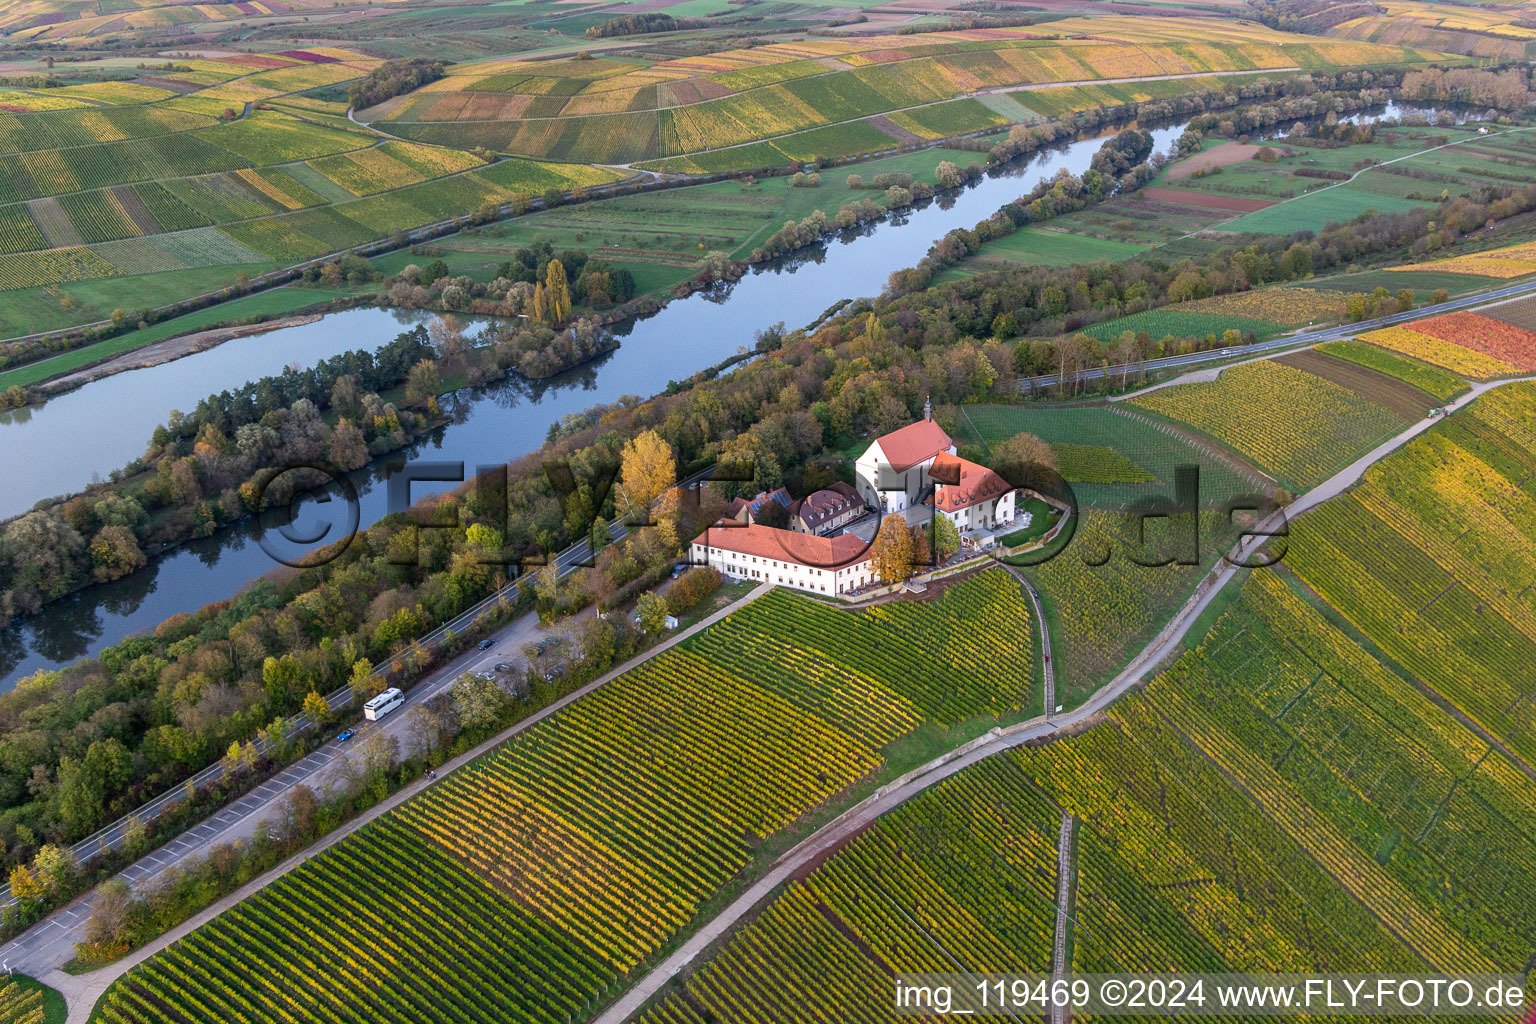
[(1510, 261), (21, 1004), (1444, 354), (1433, 558), (1276, 801), (1291, 307), (1316, 429), (1435, 382), (963, 877), (1111, 589), (1097, 464), (1507, 343), (610, 111), (588, 840)]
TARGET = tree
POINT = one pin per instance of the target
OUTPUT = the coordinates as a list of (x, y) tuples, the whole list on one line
[(477, 701), (349, 449), (647, 470), (891, 555), (1023, 450), (107, 931), (364, 682), (115, 553), (422, 383), (599, 537), (316, 708), (651, 611), (558, 292), (943, 537)]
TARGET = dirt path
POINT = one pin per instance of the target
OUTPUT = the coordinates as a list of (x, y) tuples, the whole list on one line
[(165, 351), (1064, 886)]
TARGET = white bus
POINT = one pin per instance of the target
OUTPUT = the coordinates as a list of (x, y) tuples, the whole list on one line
[(383, 704)]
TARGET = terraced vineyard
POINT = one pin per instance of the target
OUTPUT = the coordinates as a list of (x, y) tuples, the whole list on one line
[(1318, 427), (586, 842), (1277, 801)]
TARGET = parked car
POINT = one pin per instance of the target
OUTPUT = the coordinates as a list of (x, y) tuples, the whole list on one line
[(345, 735), (486, 645), (502, 666)]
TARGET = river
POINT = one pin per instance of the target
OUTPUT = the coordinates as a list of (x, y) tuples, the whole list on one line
[(490, 425)]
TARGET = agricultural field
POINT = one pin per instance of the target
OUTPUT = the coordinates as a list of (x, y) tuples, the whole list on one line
[(1291, 423), (22, 1003), (1503, 263), (1291, 307), (1141, 452), (1180, 321), (1432, 559), (660, 237), (590, 839), (922, 890), (1316, 210), (1117, 583), (1365, 383), (612, 110), (1433, 381), (1466, 343)]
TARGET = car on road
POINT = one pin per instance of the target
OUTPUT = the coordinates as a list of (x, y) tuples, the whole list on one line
[(345, 735), (486, 645)]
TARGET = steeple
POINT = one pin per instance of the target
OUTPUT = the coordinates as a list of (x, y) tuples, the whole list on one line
[(928, 408)]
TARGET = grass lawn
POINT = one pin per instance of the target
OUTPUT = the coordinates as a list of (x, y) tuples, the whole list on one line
[(273, 303), (1042, 518), (1043, 247)]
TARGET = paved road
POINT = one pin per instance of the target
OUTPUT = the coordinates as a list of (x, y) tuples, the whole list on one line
[(1306, 338), (850, 823)]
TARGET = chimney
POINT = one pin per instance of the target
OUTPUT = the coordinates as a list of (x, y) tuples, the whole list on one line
[(928, 409)]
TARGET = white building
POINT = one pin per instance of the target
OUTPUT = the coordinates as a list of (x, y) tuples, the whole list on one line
[(823, 565), (893, 472), (971, 496)]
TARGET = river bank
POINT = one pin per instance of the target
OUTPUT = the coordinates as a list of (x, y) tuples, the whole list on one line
[(160, 352)]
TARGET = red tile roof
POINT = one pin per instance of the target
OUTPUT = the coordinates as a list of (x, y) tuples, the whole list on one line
[(976, 483), (913, 443), (787, 545)]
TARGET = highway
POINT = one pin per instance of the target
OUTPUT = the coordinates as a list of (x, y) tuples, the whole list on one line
[(1305, 338)]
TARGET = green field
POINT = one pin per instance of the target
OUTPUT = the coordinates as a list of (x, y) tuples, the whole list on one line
[(660, 237), (1424, 558), (1423, 282), (1432, 380), (1044, 247), (1162, 323), (1139, 454), (1314, 211)]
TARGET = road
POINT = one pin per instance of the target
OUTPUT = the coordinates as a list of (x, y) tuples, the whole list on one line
[(850, 823), (1306, 338)]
